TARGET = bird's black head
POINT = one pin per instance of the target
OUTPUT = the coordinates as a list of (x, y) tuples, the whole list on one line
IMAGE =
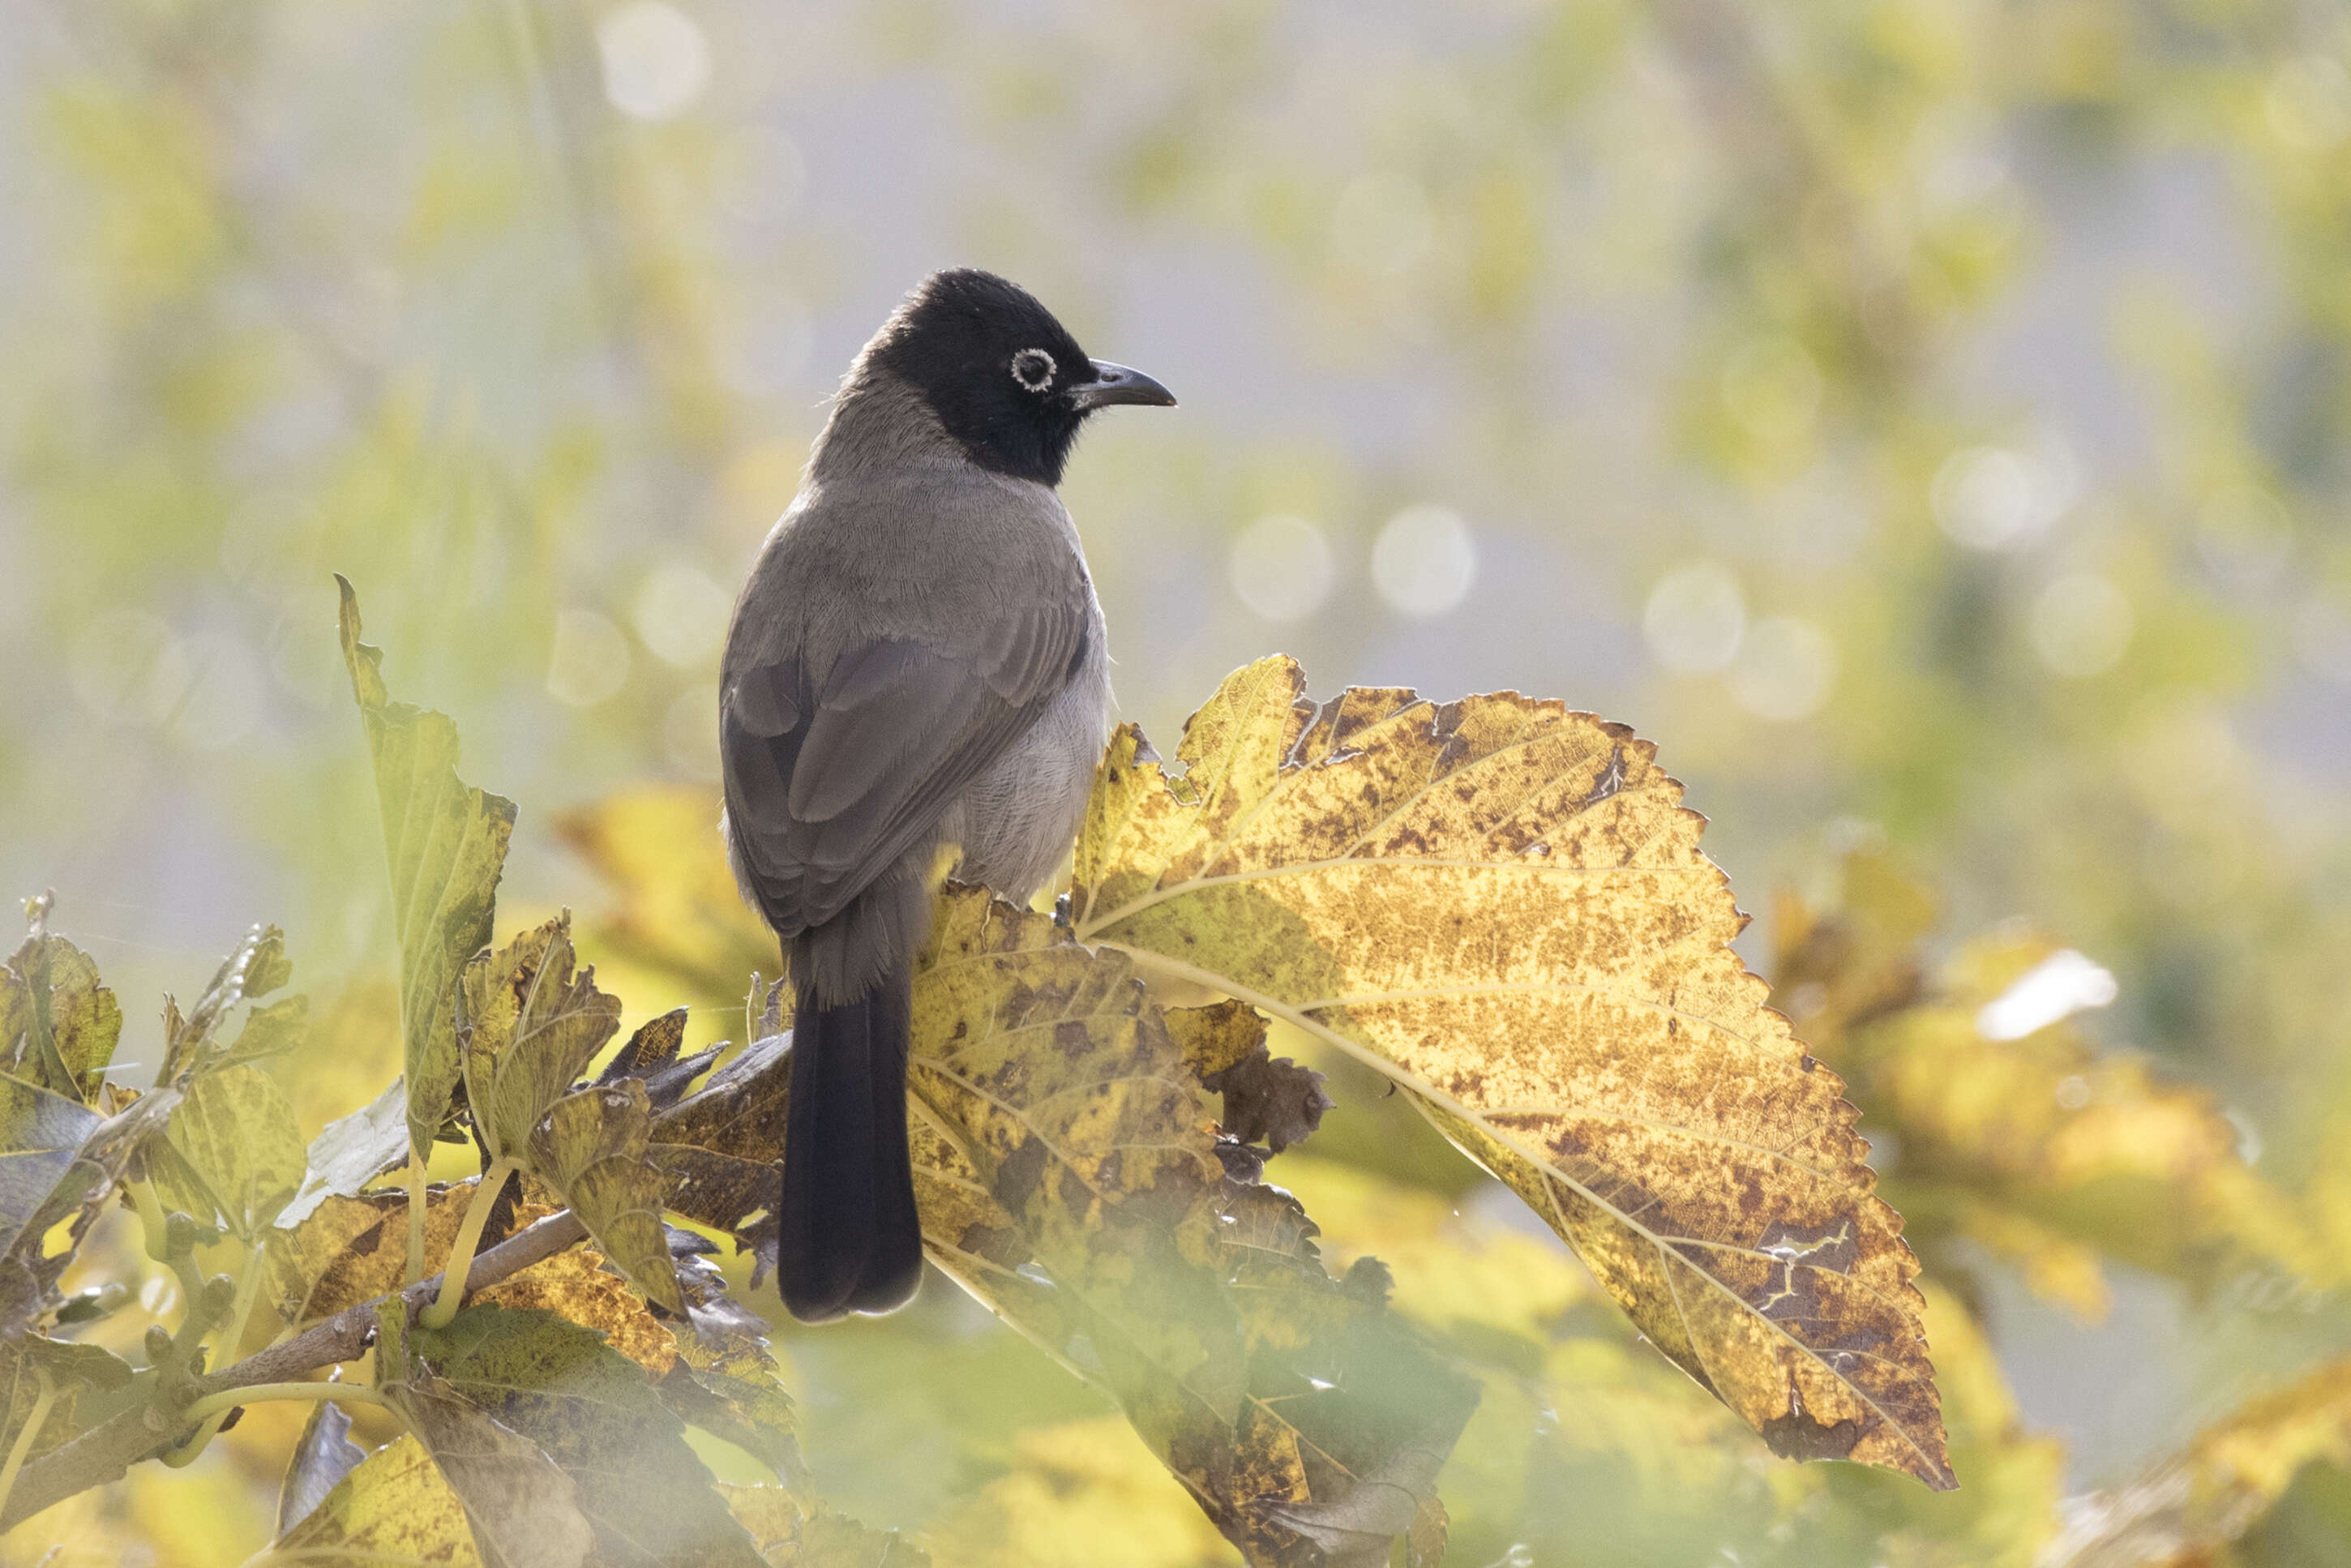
[(1003, 378)]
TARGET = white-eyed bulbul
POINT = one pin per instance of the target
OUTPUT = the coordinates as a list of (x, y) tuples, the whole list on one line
[(917, 661)]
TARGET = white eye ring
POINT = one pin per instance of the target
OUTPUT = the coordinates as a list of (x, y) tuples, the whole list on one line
[(1034, 369)]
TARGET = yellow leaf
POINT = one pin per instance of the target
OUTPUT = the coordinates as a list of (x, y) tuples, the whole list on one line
[(1502, 905)]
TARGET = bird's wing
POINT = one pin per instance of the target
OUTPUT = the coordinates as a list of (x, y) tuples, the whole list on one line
[(830, 779)]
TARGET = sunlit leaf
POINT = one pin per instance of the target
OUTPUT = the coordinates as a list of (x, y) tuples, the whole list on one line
[(1268, 1100), (593, 1411), (575, 1286), (1502, 905), (1078, 1495), (278, 1030), (254, 968), (445, 845), (592, 1148), (394, 1510), (352, 1250)]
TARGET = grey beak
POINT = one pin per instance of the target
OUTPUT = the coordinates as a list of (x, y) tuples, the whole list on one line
[(1116, 384)]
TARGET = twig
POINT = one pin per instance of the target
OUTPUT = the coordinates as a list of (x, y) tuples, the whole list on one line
[(114, 1445)]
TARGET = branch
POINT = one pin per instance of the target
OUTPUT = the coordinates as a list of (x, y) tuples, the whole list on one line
[(108, 1449)]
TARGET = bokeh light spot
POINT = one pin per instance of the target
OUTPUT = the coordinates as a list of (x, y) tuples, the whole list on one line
[(1283, 567), (590, 660), (1696, 617), (1787, 666), (681, 613), (657, 60), (1424, 561), (2081, 624)]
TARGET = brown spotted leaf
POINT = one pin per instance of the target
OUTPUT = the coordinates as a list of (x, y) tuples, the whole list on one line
[(592, 1148), (1501, 904), (791, 1537)]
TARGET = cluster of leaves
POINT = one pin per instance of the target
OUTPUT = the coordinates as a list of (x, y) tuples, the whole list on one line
[(1498, 903)]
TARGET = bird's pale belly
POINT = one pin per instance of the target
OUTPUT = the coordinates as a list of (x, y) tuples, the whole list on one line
[(1016, 820)]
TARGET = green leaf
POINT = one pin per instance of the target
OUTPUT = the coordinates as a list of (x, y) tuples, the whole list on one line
[(59, 1026), (238, 1153), (394, 1510), (277, 1030), (530, 1026), (446, 845), (322, 1457), (591, 1408), (351, 1152), (592, 1149)]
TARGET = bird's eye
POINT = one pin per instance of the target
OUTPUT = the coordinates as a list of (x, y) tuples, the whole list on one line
[(1033, 369)]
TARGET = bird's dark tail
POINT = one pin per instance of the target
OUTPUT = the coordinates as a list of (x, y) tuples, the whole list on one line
[(849, 1238)]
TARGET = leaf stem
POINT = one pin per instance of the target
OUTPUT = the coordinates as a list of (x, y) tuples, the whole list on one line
[(460, 1253), (42, 1401), (415, 1215), (213, 1407), (151, 1220)]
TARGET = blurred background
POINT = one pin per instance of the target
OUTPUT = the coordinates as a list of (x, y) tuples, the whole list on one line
[(1924, 421)]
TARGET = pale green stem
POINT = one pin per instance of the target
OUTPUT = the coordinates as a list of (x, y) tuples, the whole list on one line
[(460, 1253), (217, 1405), (415, 1217), (151, 1220), (24, 1442)]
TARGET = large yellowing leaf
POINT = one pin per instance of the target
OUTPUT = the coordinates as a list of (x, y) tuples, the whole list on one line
[(445, 842), (530, 1025), (1501, 904)]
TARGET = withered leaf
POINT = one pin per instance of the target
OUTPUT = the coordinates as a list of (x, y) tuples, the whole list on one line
[(529, 1026), (322, 1457), (351, 1152), (592, 1409), (1501, 904), (722, 1148), (446, 846), (1268, 1101)]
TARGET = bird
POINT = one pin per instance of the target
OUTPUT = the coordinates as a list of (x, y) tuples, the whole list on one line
[(916, 678)]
